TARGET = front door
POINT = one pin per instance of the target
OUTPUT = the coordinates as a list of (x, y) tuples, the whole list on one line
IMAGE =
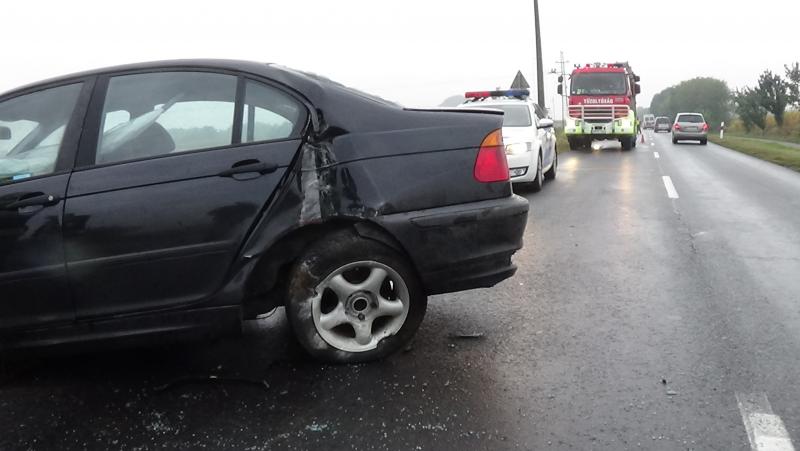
[(179, 172), (33, 182)]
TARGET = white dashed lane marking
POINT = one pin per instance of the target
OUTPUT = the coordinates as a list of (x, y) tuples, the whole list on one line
[(672, 193), (656, 155), (765, 430)]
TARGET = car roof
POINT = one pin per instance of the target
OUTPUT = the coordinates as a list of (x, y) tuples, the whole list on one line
[(336, 100), (690, 114), (306, 83), (219, 64)]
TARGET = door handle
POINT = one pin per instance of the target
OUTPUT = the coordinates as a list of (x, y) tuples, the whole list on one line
[(249, 167), (33, 200)]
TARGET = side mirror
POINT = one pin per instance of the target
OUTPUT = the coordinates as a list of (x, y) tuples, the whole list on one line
[(637, 89), (546, 123), (637, 78), (561, 79), (560, 89), (5, 132)]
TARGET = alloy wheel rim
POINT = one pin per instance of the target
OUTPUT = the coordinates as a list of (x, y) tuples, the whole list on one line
[(360, 304)]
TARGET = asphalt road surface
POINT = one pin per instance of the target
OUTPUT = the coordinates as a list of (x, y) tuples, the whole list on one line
[(636, 321)]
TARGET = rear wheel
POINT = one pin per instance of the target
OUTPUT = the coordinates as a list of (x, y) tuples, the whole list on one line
[(704, 142), (674, 141), (353, 299), (551, 173)]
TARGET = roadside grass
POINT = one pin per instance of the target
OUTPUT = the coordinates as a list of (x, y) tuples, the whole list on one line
[(774, 152), (561, 141), (790, 132)]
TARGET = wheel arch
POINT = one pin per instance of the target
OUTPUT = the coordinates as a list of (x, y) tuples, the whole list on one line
[(267, 283)]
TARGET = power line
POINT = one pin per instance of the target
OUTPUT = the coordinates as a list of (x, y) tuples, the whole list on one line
[(562, 64)]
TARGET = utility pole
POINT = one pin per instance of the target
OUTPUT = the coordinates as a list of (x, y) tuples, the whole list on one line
[(539, 70)]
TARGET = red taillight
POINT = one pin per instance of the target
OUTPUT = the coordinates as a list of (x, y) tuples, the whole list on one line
[(705, 127), (491, 164), (677, 127)]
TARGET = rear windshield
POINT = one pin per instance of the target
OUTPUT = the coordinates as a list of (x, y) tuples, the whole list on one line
[(662, 120), (691, 118), (599, 83), (515, 115)]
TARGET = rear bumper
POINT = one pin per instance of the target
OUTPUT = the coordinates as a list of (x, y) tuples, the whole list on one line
[(690, 135), (461, 247)]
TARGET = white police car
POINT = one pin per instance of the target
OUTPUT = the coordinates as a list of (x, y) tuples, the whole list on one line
[(528, 134)]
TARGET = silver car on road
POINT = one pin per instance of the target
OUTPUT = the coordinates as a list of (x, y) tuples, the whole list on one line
[(690, 127), (663, 124)]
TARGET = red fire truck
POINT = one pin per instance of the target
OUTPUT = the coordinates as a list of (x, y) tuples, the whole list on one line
[(602, 104)]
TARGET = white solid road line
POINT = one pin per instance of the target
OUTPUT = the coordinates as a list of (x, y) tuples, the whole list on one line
[(656, 155), (671, 192), (765, 430)]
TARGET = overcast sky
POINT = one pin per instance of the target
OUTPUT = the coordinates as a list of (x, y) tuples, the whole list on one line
[(412, 51)]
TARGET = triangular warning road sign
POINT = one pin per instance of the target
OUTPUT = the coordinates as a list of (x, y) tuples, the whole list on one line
[(520, 82)]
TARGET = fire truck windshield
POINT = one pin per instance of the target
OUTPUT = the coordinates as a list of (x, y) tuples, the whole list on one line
[(599, 83)]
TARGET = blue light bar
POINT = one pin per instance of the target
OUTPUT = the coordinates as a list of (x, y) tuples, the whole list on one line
[(513, 93), (519, 93)]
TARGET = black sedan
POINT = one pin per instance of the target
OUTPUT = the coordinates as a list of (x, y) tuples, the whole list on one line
[(176, 199)]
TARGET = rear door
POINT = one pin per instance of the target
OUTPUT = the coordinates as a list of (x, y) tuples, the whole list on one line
[(38, 137), (176, 166)]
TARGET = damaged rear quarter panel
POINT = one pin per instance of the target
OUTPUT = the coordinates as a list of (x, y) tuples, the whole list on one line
[(361, 175), (409, 160)]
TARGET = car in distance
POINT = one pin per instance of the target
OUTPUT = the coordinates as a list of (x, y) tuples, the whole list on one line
[(528, 135), (648, 121), (176, 199), (690, 126), (663, 124)]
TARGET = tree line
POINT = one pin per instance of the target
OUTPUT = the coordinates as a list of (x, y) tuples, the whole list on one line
[(706, 95), (772, 94)]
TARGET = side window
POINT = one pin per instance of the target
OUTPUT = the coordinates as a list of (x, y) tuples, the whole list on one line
[(270, 114), (31, 130), (154, 114)]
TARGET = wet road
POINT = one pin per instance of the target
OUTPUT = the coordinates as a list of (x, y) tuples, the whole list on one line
[(636, 321)]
